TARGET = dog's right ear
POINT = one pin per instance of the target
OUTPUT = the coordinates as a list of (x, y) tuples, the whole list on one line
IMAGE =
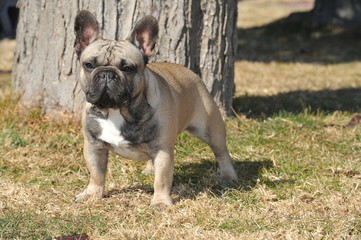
[(86, 30)]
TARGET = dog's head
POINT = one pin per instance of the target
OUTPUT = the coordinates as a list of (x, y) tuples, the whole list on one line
[(111, 72)]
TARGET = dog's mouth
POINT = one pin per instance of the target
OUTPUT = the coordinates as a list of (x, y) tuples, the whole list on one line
[(109, 90)]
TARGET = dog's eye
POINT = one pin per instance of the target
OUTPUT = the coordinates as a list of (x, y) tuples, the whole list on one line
[(88, 66), (128, 69)]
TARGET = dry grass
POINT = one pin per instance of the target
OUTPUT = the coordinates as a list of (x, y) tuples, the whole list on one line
[(255, 13), (299, 179), (7, 48)]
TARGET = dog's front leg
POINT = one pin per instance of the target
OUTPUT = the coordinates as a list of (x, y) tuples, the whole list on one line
[(163, 171), (97, 161)]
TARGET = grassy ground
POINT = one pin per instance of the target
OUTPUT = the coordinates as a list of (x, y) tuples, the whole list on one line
[(299, 177)]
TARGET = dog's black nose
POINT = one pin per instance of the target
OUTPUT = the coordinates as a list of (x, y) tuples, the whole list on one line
[(107, 75)]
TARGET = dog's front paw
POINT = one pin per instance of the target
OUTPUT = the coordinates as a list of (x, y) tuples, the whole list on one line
[(86, 194), (81, 197), (161, 203)]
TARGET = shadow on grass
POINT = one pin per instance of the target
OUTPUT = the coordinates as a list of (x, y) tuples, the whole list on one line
[(191, 179), (194, 178), (292, 41), (327, 101)]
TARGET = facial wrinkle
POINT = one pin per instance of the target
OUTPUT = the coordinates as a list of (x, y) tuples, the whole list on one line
[(110, 52)]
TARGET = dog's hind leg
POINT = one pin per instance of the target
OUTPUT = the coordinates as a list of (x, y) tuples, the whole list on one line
[(214, 135), (149, 169)]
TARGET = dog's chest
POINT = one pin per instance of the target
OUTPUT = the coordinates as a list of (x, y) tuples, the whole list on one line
[(110, 132)]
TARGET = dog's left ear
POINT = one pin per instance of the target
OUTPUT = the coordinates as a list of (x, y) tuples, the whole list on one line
[(145, 34)]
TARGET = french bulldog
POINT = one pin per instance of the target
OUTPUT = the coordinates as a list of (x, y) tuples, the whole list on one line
[(136, 109)]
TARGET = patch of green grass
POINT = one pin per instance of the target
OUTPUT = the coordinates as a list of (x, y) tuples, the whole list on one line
[(230, 224), (32, 225), (13, 138)]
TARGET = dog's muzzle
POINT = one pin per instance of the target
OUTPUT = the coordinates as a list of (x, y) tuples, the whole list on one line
[(108, 89)]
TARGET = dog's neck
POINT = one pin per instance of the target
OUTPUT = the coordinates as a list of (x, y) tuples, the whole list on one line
[(138, 111)]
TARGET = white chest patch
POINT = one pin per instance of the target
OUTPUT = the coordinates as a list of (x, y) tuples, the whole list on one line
[(111, 134), (111, 129)]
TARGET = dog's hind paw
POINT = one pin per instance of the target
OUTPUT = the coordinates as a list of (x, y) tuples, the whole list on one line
[(149, 169), (228, 178)]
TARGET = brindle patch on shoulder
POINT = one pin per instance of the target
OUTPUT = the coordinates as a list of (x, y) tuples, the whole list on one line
[(141, 125), (92, 126)]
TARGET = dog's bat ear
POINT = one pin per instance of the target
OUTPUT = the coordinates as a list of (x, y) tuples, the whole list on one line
[(145, 34), (86, 30)]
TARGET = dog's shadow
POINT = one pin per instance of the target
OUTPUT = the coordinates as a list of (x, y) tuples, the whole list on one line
[(191, 179), (194, 178)]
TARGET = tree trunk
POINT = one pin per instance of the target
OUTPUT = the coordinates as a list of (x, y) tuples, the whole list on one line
[(200, 34), (337, 12)]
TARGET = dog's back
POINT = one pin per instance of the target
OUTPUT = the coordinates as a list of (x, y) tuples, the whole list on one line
[(183, 81), (176, 75)]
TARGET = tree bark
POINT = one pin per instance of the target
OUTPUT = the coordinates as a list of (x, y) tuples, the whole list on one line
[(199, 34)]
